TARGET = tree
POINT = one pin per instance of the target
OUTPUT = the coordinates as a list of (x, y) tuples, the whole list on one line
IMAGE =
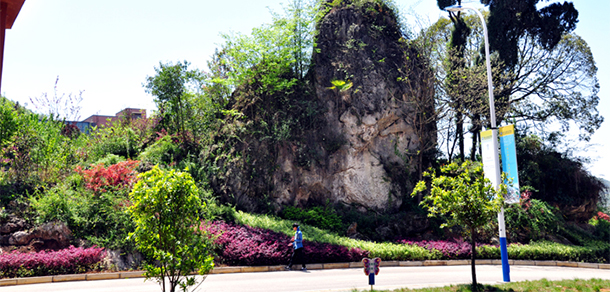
[(558, 178), (455, 61), (510, 20), (546, 87), (166, 211), (273, 49), (465, 197), (555, 86), (173, 86)]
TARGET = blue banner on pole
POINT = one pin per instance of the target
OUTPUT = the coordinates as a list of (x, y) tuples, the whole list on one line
[(509, 163)]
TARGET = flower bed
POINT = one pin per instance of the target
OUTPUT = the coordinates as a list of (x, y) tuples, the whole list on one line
[(67, 261), (448, 249), (240, 245)]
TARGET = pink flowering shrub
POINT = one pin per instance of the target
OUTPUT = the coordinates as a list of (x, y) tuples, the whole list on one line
[(449, 250), (247, 246), (67, 261)]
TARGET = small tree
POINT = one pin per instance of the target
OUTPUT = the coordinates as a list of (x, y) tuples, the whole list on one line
[(166, 211), (465, 196)]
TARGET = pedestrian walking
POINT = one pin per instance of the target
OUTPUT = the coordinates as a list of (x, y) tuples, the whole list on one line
[(297, 250)]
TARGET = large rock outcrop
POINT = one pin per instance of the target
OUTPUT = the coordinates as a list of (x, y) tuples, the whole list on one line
[(369, 89)]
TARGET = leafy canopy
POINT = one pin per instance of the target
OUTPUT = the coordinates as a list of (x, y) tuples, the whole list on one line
[(465, 197), (462, 194), (166, 210)]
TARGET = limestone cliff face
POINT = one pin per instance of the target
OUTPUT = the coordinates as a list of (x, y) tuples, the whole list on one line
[(373, 121), (362, 150)]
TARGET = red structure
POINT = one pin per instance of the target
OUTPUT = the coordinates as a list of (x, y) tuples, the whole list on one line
[(8, 13)]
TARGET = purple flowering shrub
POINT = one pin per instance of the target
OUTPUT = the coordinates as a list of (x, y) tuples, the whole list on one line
[(67, 261), (447, 250), (240, 245)]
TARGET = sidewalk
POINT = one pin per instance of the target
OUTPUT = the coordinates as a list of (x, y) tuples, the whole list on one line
[(230, 270)]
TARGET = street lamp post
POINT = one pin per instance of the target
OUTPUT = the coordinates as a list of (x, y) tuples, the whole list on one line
[(495, 177)]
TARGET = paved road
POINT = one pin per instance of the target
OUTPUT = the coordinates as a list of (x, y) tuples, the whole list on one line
[(331, 280)]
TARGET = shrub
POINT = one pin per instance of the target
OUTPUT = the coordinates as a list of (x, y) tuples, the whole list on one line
[(67, 261), (532, 219), (603, 216), (110, 159), (602, 226), (100, 219), (162, 152), (591, 251), (115, 177), (244, 245), (57, 204), (449, 250), (385, 251), (324, 218), (125, 138)]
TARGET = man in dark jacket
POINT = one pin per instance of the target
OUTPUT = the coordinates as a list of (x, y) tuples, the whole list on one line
[(297, 251)]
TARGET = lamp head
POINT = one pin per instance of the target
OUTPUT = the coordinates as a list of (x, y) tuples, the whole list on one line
[(454, 8)]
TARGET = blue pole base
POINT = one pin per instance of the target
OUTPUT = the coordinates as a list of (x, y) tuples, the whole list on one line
[(504, 255), (371, 279)]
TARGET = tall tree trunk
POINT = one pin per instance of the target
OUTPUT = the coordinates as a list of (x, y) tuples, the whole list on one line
[(459, 132), (472, 259), (475, 130)]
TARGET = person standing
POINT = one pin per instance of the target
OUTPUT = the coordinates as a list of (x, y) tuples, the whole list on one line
[(297, 251)]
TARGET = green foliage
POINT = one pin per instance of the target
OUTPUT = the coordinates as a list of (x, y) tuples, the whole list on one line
[(8, 121), (174, 88), (110, 159), (462, 194), (161, 152), (121, 138), (101, 219), (385, 251), (543, 285), (341, 85), (57, 204), (465, 197), (372, 7), (561, 180), (590, 251), (531, 220), (594, 252), (166, 210), (282, 46), (321, 217), (602, 228), (36, 155)]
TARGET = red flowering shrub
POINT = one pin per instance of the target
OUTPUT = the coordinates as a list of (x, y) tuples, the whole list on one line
[(243, 245), (603, 216), (67, 261), (100, 179)]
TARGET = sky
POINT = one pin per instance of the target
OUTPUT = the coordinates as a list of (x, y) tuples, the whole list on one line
[(106, 49)]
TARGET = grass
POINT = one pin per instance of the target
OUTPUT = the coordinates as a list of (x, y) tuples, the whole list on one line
[(596, 252), (385, 251), (543, 285)]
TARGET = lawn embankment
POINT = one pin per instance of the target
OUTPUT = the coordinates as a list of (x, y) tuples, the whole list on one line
[(530, 286), (588, 251)]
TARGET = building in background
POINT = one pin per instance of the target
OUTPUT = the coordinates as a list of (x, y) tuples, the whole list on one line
[(87, 124)]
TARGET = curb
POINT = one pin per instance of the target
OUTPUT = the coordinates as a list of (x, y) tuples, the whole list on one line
[(327, 266)]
